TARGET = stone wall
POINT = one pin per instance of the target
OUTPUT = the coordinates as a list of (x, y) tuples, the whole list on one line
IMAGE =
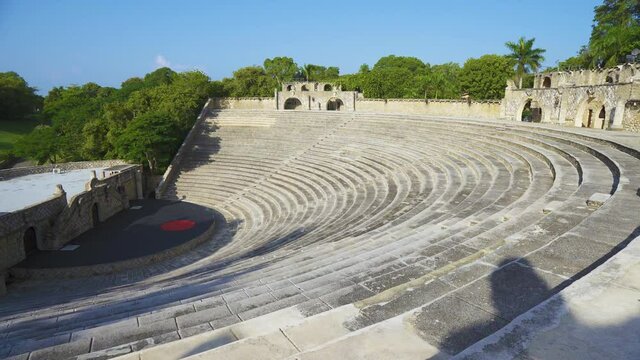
[(311, 100), (601, 99), (7, 174), (454, 108), (631, 121), (256, 103), (56, 221)]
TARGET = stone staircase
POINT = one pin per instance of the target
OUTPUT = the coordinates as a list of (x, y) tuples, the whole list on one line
[(348, 235)]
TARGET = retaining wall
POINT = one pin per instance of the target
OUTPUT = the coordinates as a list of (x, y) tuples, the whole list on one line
[(254, 103), (455, 108), (55, 220)]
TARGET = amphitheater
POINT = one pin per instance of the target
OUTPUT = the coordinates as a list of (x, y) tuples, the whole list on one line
[(369, 235)]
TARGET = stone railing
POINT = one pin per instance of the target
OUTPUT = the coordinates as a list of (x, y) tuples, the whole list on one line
[(7, 174)]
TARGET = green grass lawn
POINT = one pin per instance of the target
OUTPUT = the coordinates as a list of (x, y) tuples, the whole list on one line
[(11, 131)]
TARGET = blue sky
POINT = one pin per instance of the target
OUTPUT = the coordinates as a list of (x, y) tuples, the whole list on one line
[(53, 43)]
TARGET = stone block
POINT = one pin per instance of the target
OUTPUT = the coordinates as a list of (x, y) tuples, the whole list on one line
[(452, 324), (596, 200), (551, 206)]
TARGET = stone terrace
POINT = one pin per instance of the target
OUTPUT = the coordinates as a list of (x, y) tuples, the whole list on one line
[(351, 235)]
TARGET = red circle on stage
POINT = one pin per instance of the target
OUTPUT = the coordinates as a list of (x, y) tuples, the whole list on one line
[(178, 225)]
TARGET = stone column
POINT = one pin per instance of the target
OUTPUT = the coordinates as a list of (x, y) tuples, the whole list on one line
[(618, 116), (139, 191), (275, 96)]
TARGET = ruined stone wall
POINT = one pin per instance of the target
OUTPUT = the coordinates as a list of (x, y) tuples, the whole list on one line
[(311, 100), (256, 103), (601, 99), (13, 226), (57, 221), (453, 108), (631, 121), (111, 195)]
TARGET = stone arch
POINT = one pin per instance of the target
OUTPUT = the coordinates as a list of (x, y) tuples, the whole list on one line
[(521, 108), (304, 88), (602, 116), (588, 114), (546, 82), (292, 104), (531, 109), (30, 241), (95, 215), (290, 87), (334, 104), (328, 87)]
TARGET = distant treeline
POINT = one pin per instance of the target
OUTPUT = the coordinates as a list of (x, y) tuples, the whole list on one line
[(146, 119)]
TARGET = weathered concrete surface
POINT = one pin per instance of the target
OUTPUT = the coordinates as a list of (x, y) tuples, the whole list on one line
[(433, 223), (598, 317), (393, 339)]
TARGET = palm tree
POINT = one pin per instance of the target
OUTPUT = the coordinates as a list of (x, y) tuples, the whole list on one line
[(306, 70), (527, 58)]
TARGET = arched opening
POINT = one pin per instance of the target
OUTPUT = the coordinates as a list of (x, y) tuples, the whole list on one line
[(289, 87), (546, 82), (292, 104), (315, 86), (334, 105), (609, 80), (95, 216), (526, 112), (591, 114), (601, 118), (531, 112), (304, 88), (30, 241), (328, 87)]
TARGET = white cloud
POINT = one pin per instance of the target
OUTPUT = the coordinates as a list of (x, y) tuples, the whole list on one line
[(161, 61)]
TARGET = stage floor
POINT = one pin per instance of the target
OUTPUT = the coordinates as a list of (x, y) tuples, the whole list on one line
[(146, 228)]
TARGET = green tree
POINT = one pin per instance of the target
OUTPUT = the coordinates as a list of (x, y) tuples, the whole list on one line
[(582, 60), (388, 83), (281, 68), (410, 63), (69, 109), (396, 77), (527, 58), (615, 32), (485, 77), (40, 145), (161, 76), (151, 138), (440, 81), (305, 70), (311, 72), (251, 81), (17, 99)]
